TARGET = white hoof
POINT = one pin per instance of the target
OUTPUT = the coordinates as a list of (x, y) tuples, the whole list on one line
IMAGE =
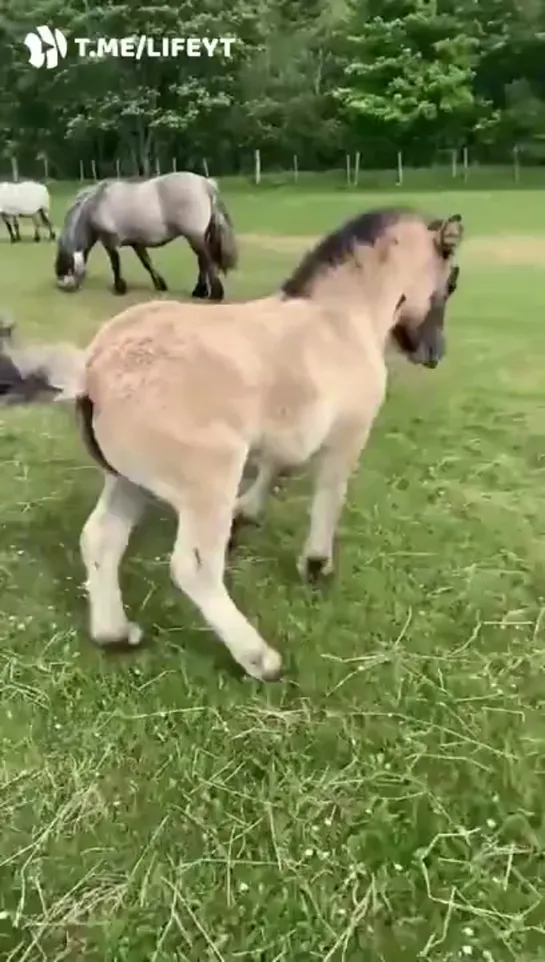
[(129, 636), (134, 634), (312, 568), (266, 666)]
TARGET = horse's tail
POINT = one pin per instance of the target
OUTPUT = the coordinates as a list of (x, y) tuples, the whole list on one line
[(39, 373), (44, 373), (220, 235)]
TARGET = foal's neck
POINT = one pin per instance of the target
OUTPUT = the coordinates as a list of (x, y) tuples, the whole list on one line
[(363, 306)]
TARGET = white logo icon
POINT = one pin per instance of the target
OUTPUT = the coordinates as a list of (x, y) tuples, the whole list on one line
[(46, 47)]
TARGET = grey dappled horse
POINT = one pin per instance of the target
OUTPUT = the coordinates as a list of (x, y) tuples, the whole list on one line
[(148, 213), (25, 198)]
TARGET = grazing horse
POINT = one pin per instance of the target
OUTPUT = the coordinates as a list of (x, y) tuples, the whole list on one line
[(173, 399), (149, 213), (25, 198)]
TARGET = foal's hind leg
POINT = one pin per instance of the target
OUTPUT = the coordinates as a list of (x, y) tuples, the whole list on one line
[(197, 567), (103, 543), (203, 497), (46, 221), (36, 223)]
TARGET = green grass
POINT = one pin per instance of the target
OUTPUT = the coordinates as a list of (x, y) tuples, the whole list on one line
[(382, 803)]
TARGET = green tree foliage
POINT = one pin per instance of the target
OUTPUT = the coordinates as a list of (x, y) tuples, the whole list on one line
[(307, 77)]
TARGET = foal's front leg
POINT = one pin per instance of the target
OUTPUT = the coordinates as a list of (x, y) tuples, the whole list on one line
[(334, 467), (249, 506), (103, 542)]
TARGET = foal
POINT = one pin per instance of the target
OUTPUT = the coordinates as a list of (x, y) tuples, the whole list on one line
[(173, 398)]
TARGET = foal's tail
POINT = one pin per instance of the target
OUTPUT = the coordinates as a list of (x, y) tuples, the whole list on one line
[(44, 373), (220, 234)]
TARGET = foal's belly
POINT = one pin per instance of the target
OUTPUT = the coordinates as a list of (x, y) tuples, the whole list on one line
[(290, 443)]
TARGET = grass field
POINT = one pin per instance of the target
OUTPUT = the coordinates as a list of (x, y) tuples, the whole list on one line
[(383, 802)]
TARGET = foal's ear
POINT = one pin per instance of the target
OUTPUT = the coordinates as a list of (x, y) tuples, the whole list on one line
[(448, 233)]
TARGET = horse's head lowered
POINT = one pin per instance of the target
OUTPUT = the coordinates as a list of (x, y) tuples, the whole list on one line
[(69, 268), (75, 241)]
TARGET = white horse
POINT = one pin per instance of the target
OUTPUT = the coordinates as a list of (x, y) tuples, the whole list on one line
[(25, 198)]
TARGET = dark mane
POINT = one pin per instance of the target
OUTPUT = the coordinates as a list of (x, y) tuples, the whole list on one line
[(74, 231), (337, 247)]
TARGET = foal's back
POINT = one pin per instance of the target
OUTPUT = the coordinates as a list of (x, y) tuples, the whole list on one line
[(266, 372)]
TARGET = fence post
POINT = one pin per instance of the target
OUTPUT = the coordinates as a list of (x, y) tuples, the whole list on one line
[(466, 164), (348, 169), (454, 163), (399, 169), (357, 169), (516, 163), (205, 167), (173, 165), (295, 168), (157, 167), (257, 166), (14, 168), (94, 169), (117, 170), (81, 171)]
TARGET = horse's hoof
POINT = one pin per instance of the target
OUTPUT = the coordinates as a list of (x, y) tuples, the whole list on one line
[(217, 293), (120, 287), (200, 292), (160, 284), (313, 569), (53, 236), (131, 637), (265, 665), (37, 240)]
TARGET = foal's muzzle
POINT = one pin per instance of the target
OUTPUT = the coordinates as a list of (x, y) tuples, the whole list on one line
[(430, 351)]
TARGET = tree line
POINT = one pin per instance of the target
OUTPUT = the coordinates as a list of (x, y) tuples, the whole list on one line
[(312, 78)]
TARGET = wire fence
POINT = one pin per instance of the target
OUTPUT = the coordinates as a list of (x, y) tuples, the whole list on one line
[(450, 169)]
